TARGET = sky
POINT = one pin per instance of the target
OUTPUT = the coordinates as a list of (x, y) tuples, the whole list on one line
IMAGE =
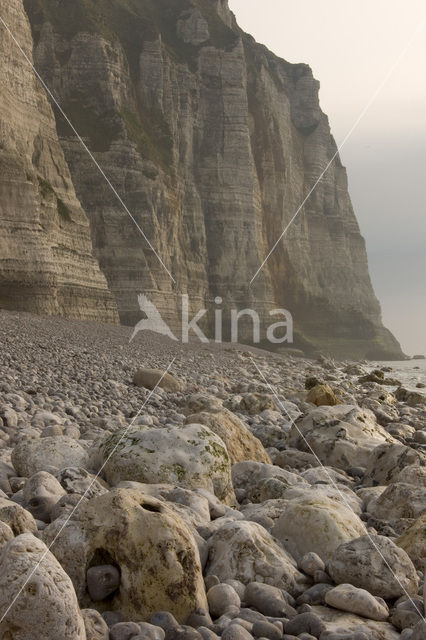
[(353, 46)]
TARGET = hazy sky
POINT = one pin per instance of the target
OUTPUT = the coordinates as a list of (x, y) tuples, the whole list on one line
[(351, 45)]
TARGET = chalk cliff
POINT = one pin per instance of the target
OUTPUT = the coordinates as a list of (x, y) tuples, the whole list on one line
[(46, 257), (213, 143)]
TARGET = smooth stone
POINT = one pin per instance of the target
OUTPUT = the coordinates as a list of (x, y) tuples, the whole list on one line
[(182, 632), (266, 630), (236, 632), (164, 620), (124, 631), (220, 598), (419, 631), (151, 631), (151, 378), (305, 623), (207, 634), (102, 581), (346, 597), (267, 599), (237, 585), (47, 454), (200, 618), (413, 541), (316, 524), (211, 581), (112, 617), (310, 563), (407, 613), (314, 595)]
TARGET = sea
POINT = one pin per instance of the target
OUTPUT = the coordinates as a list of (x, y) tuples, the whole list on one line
[(409, 372)]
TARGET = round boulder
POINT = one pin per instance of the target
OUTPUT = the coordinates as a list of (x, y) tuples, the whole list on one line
[(316, 524), (150, 546), (47, 605), (47, 454), (376, 564), (191, 457)]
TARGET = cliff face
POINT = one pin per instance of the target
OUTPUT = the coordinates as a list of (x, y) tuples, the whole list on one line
[(213, 142), (46, 258)]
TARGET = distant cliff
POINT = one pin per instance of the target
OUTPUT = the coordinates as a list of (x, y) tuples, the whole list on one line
[(46, 257), (213, 143)]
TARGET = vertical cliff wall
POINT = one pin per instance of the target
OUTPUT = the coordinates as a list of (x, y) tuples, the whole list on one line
[(213, 142), (46, 256)]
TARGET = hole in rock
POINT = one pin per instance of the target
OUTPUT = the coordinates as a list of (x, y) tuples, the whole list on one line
[(151, 507)]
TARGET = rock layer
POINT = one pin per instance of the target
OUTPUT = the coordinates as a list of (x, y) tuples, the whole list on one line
[(213, 142), (46, 257)]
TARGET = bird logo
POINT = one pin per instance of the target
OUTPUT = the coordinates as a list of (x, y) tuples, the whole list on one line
[(153, 321)]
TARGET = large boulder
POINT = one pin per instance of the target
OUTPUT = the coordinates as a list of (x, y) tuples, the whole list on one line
[(316, 524), (41, 492), (376, 564), (346, 597), (413, 541), (322, 395), (152, 378), (386, 462), (399, 500), (191, 457), (47, 454), (151, 547), (342, 436), (245, 551), (257, 479), (413, 474), (239, 441), (47, 605)]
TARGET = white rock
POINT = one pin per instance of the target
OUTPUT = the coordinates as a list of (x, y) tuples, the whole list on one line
[(413, 474), (151, 546), (245, 551), (376, 564), (349, 598), (388, 460), (6, 534), (240, 443), (341, 436), (251, 477), (316, 524), (47, 454), (16, 517), (399, 500), (190, 457), (220, 598), (47, 607), (41, 492), (413, 541), (340, 624)]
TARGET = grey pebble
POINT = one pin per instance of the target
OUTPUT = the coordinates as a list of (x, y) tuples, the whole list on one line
[(266, 630), (305, 623), (124, 631), (236, 632), (102, 581)]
